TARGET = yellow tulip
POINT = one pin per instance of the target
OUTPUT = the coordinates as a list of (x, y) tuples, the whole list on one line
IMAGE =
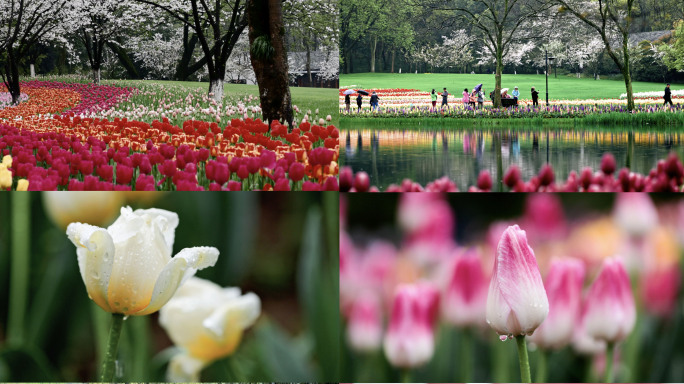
[(7, 161), (22, 185), (206, 322), (90, 207), (127, 268), (5, 179)]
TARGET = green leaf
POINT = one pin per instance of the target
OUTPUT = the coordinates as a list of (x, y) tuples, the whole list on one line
[(25, 364), (280, 354)]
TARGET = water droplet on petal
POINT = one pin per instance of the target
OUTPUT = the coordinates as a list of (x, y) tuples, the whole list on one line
[(503, 337)]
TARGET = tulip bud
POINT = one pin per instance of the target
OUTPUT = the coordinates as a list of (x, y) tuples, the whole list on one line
[(517, 302), (564, 289), (609, 311), (410, 336), (95, 208), (465, 299), (364, 330)]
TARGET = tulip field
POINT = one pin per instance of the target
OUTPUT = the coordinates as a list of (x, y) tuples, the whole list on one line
[(149, 136), (512, 288), (168, 287)]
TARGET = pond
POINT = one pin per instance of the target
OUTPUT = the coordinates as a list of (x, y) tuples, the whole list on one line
[(427, 152)]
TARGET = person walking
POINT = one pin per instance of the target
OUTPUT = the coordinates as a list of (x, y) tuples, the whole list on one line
[(516, 94), (668, 95), (535, 97), (480, 98), (466, 97), (374, 101), (473, 98), (445, 94), (433, 97), (347, 103), (359, 99)]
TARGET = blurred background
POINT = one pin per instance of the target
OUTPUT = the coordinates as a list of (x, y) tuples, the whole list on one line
[(281, 246), (406, 238)]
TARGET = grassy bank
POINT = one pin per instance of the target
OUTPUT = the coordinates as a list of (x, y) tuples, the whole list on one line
[(563, 87), (611, 119)]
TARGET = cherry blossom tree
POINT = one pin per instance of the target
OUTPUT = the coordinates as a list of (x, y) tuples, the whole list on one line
[(24, 23), (498, 22), (217, 26), (612, 20)]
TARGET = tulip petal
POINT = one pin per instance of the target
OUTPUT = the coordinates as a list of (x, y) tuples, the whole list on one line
[(181, 267), (95, 251), (517, 302), (184, 368), (240, 312)]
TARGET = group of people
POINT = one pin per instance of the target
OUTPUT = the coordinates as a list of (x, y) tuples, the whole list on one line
[(374, 102), (469, 98)]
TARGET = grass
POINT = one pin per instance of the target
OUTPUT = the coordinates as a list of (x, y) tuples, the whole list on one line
[(563, 87)]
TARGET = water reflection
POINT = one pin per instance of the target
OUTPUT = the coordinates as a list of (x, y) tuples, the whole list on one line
[(423, 155)]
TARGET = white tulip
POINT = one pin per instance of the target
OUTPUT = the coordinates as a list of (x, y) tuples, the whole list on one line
[(206, 321), (127, 268)]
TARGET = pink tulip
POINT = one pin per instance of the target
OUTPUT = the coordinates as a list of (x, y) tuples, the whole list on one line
[(429, 224), (409, 341), (660, 288), (465, 299), (516, 302), (609, 312), (364, 328), (544, 218), (564, 289)]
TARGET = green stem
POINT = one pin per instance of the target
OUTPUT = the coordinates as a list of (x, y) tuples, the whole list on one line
[(525, 376), (609, 362), (112, 346), (467, 356), (19, 274), (542, 370), (406, 376)]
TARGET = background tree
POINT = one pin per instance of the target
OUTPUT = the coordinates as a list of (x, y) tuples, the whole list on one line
[(269, 59), (498, 22), (23, 24), (612, 20), (217, 26), (674, 53)]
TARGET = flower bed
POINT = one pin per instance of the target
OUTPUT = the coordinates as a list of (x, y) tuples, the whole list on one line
[(413, 102), (68, 151)]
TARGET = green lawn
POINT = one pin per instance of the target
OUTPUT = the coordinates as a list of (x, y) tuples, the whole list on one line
[(563, 87)]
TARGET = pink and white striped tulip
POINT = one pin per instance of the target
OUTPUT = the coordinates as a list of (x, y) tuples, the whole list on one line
[(410, 339), (516, 302), (364, 329), (564, 289), (609, 312), (464, 300)]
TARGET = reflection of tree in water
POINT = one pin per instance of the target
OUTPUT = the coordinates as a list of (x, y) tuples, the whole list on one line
[(417, 153)]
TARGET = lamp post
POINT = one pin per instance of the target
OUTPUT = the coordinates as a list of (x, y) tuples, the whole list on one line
[(546, 71)]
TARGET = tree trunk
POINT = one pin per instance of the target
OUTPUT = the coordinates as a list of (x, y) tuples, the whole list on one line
[(626, 74), (124, 60), (216, 83), (373, 47), (270, 67), (33, 70), (499, 70), (11, 76), (308, 64), (96, 75), (393, 56)]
